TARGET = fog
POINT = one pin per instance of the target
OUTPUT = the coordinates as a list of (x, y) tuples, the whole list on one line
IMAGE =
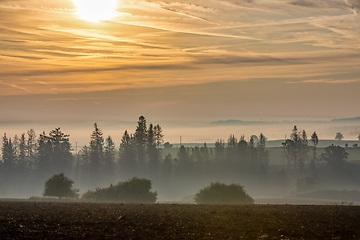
[(267, 169), (193, 132)]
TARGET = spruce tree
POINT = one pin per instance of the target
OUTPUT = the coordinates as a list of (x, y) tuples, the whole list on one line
[(109, 159), (31, 146), (159, 136), (152, 151), (22, 158), (127, 156), (96, 153), (61, 150), (8, 153), (140, 141), (263, 155)]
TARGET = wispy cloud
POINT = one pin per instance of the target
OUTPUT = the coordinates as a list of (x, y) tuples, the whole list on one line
[(327, 81), (174, 43), (354, 5)]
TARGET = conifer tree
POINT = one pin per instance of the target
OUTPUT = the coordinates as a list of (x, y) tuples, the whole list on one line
[(61, 150), (109, 158), (159, 136), (140, 141), (43, 153), (315, 140), (31, 146), (96, 153), (127, 155), (219, 153), (22, 158), (167, 168), (8, 153), (262, 154), (152, 151), (54, 152), (303, 145)]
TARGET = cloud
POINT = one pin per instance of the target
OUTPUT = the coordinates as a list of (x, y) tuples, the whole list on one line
[(63, 99), (15, 86), (318, 3), (248, 60), (354, 4), (327, 81), (173, 42)]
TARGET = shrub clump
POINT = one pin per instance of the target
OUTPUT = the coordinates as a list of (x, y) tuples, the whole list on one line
[(60, 186), (135, 190), (220, 193)]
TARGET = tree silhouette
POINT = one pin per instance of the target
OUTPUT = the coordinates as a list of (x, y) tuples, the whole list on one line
[(183, 164), (220, 193), (8, 153), (54, 152), (315, 140), (219, 152), (152, 151), (159, 136), (334, 155), (339, 136), (263, 155), (168, 145), (296, 148), (22, 158), (31, 147), (140, 141), (44, 153), (109, 159), (60, 186), (167, 169), (135, 190), (96, 153), (127, 155), (61, 147)]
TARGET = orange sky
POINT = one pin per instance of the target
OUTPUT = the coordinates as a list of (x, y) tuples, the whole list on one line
[(180, 61)]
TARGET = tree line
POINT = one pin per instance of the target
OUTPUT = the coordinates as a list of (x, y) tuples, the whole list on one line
[(101, 162)]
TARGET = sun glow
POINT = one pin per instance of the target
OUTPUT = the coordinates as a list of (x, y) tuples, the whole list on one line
[(95, 10)]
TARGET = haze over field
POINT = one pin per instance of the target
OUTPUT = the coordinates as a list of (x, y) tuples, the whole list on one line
[(192, 131), (202, 70)]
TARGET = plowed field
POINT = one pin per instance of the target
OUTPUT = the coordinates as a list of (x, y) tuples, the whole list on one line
[(63, 220)]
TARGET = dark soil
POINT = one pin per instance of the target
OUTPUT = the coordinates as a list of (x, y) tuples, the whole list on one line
[(66, 220)]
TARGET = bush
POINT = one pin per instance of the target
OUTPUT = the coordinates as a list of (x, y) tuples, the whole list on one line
[(135, 190), (334, 155), (60, 186), (220, 193)]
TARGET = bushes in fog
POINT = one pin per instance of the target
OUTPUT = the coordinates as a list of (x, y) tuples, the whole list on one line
[(60, 186), (220, 193), (135, 190)]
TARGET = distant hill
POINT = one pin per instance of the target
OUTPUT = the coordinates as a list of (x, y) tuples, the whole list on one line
[(355, 119), (236, 122), (233, 122)]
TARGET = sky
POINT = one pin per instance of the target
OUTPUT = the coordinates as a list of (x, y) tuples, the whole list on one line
[(178, 63)]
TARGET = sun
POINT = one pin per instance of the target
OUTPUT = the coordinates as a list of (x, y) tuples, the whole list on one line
[(95, 10)]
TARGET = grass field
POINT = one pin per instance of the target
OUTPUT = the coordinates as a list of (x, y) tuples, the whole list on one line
[(59, 220)]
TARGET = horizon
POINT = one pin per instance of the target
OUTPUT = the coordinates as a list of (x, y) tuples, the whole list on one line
[(195, 132)]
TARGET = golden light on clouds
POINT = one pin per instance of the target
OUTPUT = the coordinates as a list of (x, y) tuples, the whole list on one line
[(210, 50), (95, 10)]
